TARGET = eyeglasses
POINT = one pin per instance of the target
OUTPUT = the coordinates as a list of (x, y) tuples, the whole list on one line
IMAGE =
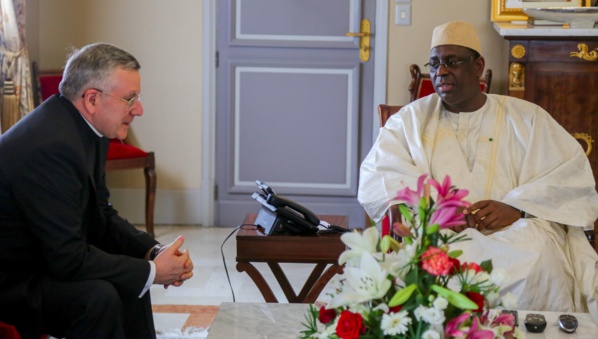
[(130, 102), (451, 64)]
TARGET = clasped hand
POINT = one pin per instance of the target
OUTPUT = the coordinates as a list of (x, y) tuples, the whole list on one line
[(173, 265), (488, 215)]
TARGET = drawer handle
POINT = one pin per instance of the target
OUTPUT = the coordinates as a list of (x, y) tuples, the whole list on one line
[(584, 54), (587, 138)]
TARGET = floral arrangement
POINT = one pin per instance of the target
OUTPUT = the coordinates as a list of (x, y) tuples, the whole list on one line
[(416, 288)]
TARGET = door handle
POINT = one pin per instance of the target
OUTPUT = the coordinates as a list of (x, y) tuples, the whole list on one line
[(364, 45)]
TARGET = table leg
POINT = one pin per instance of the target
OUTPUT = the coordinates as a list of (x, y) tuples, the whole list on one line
[(322, 282), (311, 280), (283, 282), (312, 287), (258, 279)]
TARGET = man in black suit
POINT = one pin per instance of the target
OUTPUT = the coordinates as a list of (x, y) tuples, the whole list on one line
[(70, 266)]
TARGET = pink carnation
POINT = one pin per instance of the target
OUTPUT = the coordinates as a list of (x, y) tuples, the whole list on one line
[(436, 262)]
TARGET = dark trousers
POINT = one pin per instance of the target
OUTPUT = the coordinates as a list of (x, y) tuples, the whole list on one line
[(95, 309)]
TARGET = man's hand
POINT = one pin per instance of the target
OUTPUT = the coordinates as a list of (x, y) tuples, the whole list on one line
[(173, 265), (490, 215), (468, 220)]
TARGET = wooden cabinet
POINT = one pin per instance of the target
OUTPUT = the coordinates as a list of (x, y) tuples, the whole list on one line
[(559, 73)]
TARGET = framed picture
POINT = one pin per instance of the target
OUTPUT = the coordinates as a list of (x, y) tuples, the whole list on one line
[(510, 10)]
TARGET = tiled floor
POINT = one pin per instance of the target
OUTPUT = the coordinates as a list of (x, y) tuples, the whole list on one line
[(209, 285)]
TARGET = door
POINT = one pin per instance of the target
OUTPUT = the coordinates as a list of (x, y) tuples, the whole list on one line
[(294, 104)]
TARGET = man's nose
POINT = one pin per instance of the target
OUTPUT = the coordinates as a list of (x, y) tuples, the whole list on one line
[(442, 69), (137, 109)]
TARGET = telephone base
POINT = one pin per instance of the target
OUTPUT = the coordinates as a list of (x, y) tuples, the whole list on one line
[(273, 224)]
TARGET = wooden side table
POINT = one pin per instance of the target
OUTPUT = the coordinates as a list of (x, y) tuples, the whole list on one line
[(322, 250)]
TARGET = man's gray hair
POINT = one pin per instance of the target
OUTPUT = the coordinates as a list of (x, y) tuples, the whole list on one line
[(91, 66)]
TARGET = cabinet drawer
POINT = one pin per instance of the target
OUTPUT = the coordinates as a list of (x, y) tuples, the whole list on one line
[(560, 51)]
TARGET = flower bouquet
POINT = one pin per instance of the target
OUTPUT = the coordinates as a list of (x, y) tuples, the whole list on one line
[(416, 288)]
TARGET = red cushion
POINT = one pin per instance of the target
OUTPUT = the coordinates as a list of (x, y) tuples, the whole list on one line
[(425, 88), (119, 150), (48, 85), (8, 332)]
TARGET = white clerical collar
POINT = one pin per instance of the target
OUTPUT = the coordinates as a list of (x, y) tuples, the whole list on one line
[(92, 128)]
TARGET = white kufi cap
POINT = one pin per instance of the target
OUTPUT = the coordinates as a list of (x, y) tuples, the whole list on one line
[(458, 33)]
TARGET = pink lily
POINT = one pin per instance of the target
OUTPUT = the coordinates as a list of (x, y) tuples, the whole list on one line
[(504, 319), (448, 195), (474, 333), (411, 197), (447, 217), (452, 327)]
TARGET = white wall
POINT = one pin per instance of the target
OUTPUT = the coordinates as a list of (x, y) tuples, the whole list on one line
[(166, 38)]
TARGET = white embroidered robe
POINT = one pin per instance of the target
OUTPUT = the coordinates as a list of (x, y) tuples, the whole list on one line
[(510, 151)]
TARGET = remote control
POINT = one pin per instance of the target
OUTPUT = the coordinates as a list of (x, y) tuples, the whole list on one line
[(535, 323), (567, 323)]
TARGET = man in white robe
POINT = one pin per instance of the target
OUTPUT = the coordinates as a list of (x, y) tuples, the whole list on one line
[(530, 182)]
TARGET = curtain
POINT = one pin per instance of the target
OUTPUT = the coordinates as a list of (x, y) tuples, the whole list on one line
[(16, 82)]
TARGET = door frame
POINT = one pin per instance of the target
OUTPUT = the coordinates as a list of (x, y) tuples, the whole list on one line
[(208, 148)]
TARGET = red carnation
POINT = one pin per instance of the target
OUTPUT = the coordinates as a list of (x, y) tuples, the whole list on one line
[(350, 325), (395, 309), (456, 266), (478, 299), (326, 316), (436, 262), (472, 266)]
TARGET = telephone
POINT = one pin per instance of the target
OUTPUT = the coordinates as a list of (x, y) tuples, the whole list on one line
[(280, 215)]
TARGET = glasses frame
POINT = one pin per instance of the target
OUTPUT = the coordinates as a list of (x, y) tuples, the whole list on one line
[(435, 66), (130, 103)]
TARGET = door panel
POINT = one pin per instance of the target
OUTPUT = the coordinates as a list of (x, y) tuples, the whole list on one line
[(293, 105), (294, 23), (289, 124)]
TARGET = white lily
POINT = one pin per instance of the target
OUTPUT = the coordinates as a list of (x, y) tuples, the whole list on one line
[(397, 263), (358, 243), (365, 283)]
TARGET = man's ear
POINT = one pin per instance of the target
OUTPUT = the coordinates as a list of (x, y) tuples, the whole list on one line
[(480, 65), (90, 102)]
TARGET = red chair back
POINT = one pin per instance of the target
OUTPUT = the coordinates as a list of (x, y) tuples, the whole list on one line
[(48, 85)]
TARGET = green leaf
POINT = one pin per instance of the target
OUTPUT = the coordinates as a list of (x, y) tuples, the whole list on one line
[(402, 296), (456, 299), (454, 254), (433, 229), (312, 326), (406, 213), (487, 266)]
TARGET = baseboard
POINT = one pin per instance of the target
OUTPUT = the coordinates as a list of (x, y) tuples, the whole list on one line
[(173, 207)]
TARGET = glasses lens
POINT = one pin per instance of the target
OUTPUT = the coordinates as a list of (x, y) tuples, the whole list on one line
[(133, 101)]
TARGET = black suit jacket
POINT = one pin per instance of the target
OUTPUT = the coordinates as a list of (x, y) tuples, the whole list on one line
[(55, 218)]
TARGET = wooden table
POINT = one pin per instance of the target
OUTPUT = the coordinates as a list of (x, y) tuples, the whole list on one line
[(322, 250)]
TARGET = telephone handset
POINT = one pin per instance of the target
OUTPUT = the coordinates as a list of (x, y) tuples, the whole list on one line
[(280, 215)]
